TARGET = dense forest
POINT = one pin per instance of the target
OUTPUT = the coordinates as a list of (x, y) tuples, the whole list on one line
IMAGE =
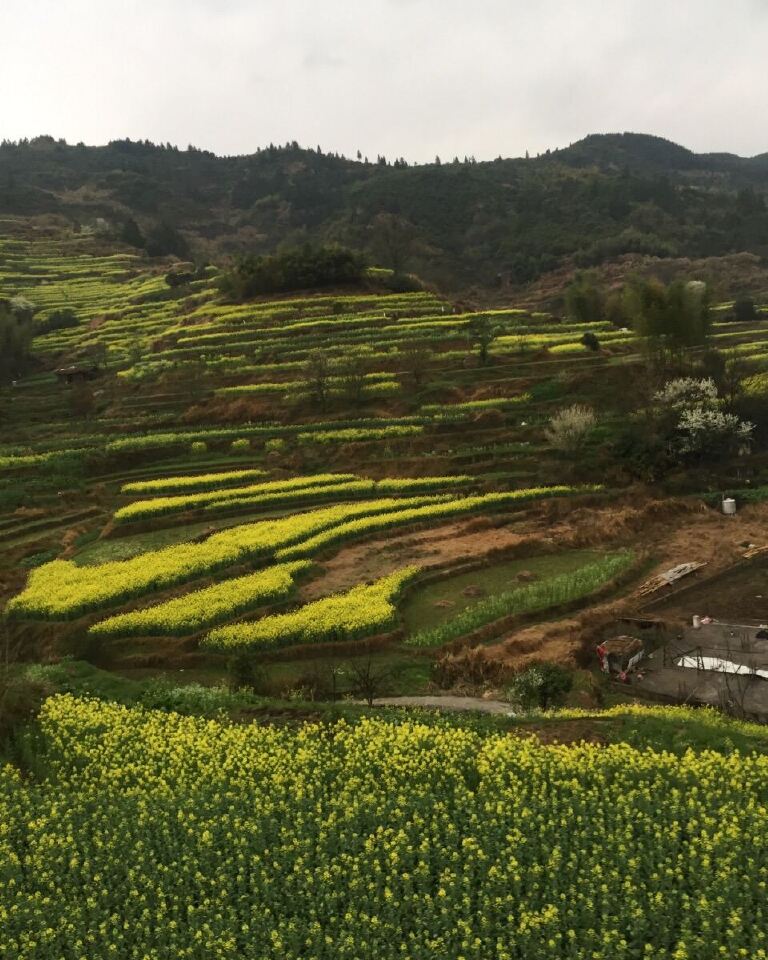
[(457, 222)]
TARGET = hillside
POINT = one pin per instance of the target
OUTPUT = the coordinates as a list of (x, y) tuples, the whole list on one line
[(232, 529), (459, 224)]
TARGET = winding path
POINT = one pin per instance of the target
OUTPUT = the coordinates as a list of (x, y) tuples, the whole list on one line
[(448, 703)]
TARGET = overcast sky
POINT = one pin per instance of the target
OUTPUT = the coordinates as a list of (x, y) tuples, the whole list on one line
[(400, 77)]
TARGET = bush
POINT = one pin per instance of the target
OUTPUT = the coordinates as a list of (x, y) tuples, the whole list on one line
[(243, 445), (276, 445), (297, 268), (192, 698), (58, 320), (569, 427), (700, 426), (744, 310), (540, 685), (198, 448), (685, 392)]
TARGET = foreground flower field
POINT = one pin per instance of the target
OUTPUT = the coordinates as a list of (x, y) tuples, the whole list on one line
[(148, 835)]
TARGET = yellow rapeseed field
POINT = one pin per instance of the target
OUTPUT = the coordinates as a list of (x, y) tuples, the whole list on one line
[(152, 835)]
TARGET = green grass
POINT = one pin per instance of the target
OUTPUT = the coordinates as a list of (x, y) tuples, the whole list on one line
[(670, 729), (419, 611), (554, 591)]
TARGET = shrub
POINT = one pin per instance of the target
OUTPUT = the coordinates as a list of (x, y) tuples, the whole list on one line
[(702, 430), (243, 445), (687, 392), (276, 445), (198, 448), (540, 685), (570, 426), (744, 310), (191, 698), (699, 425), (56, 320)]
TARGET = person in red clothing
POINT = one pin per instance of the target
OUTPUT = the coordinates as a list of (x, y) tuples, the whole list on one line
[(601, 653)]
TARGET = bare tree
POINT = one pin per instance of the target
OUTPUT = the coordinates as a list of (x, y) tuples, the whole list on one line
[(368, 680), (317, 371), (482, 332), (415, 358), (352, 371)]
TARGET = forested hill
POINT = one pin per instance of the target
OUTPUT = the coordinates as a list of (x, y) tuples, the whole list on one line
[(457, 222)]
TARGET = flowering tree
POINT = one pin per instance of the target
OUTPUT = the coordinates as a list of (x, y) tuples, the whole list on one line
[(685, 392), (698, 424), (568, 427), (700, 430)]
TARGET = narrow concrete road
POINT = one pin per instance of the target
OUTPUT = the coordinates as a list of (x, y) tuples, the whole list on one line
[(448, 703)]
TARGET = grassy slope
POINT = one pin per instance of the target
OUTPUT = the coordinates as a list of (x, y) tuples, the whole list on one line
[(671, 729)]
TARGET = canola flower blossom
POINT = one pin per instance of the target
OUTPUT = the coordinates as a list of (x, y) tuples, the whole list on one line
[(62, 590), (344, 616), (148, 834), (329, 485), (273, 491), (200, 481), (202, 608)]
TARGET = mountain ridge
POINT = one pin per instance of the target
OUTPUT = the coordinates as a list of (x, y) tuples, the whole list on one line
[(503, 221)]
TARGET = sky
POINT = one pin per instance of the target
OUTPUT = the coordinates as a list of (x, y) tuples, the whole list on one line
[(411, 78)]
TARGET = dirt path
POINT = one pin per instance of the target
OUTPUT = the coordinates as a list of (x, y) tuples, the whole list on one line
[(674, 530), (449, 703), (449, 543)]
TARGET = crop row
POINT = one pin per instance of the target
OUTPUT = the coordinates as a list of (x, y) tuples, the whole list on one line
[(296, 386), (358, 612), (373, 523), (201, 609), (552, 592), (470, 406), (267, 492), (152, 441), (360, 434), (334, 486), (205, 481), (63, 590)]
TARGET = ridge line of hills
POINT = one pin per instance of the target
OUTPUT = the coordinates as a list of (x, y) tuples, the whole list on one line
[(460, 223)]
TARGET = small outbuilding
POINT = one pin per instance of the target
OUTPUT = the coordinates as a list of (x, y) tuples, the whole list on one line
[(620, 655), (77, 373)]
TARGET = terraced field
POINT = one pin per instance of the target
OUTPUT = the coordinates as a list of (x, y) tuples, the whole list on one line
[(227, 452), (253, 513)]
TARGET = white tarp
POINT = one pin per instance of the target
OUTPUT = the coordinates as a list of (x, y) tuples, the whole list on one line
[(721, 666)]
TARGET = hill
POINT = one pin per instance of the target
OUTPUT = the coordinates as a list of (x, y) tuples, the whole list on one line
[(232, 527), (459, 223)]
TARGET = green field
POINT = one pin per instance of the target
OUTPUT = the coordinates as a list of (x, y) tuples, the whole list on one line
[(250, 521)]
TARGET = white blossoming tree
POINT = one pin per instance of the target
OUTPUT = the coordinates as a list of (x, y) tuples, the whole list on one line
[(698, 424), (568, 427)]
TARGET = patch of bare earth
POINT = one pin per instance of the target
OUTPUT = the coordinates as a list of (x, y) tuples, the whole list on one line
[(563, 732), (670, 531), (439, 546)]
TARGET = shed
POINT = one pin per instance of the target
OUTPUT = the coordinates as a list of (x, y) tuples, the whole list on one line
[(620, 654), (77, 373)]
